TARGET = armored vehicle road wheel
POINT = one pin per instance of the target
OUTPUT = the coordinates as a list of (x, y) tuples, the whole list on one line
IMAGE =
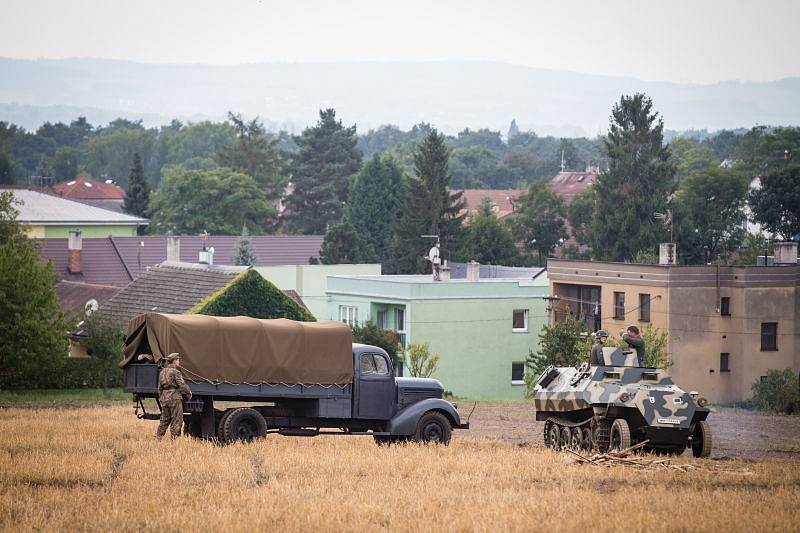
[(243, 424), (701, 439), (620, 434), (548, 425), (602, 435), (554, 436), (563, 438), (586, 438), (575, 439), (433, 427)]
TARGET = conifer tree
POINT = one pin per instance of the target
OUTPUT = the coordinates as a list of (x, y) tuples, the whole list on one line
[(322, 168), (428, 208), (244, 255), (636, 185), (138, 196), (374, 202), (343, 244)]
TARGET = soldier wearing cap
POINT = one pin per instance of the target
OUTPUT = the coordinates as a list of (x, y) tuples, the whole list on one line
[(170, 388), (635, 341), (596, 355)]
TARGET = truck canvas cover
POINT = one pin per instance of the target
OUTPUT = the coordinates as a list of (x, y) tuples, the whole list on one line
[(246, 350)]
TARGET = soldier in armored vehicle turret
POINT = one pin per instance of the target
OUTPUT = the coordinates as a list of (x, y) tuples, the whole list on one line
[(596, 355)]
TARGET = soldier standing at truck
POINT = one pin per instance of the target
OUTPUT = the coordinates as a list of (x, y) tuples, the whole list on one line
[(596, 355), (635, 341), (171, 386)]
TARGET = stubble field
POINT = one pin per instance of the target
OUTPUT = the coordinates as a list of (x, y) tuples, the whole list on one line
[(100, 468)]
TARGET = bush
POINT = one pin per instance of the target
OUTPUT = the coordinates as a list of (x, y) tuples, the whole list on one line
[(249, 294), (561, 344), (421, 362), (777, 392), (370, 333)]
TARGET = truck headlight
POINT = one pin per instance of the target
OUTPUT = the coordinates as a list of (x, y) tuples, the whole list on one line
[(702, 402)]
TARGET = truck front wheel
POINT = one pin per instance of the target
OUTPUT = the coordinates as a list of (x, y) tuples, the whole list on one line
[(243, 424), (433, 427)]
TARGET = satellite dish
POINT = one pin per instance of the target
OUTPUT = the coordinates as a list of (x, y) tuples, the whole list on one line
[(433, 255), (90, 307)]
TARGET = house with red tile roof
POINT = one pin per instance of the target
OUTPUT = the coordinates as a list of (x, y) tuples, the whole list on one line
[(569, 183), (502, 200), (84, 189)]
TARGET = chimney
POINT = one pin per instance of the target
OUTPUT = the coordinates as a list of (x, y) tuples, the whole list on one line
[(473, 271), (74, 252), (206, 256), (444, 272), (667, 254), (173, 248), (785, 253)]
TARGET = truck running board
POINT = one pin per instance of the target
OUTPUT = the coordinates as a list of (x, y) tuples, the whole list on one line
[(298, 432)]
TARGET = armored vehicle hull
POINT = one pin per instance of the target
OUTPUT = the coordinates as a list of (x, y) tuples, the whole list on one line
[(615, 407)]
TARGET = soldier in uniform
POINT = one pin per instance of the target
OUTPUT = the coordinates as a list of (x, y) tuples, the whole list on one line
[(170, 388), (635, 341), (596, 355)]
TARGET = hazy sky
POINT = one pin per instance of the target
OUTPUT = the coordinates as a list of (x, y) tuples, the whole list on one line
[(677, 40)]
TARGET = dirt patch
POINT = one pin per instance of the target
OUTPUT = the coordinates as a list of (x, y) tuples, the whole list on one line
[(737, 434)]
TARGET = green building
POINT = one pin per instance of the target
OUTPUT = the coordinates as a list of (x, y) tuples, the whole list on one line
[(482, 325)]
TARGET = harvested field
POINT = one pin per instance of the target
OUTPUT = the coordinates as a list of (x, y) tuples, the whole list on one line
[(101, 469)]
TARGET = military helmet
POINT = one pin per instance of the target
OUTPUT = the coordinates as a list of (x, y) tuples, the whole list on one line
[(171, 357), (601, 333)]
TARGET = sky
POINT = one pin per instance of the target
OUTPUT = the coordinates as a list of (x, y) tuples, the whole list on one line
[(685, 41)]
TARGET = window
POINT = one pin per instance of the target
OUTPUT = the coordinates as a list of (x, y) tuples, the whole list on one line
[(769, 336), (619, 305), (724, 362), (644, 307), (400, 319), (381, 319), (519, 321), (725, 306), (348, 314), (367, 363), (373, 364), (518, 373)]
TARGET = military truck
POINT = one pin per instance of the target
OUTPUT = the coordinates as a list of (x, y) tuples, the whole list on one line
[(286, 377), (617, 405)]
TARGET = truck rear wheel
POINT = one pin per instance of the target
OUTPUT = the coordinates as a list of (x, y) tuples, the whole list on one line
[(701, 439), (620, 434), (434, 428), (243, 424)]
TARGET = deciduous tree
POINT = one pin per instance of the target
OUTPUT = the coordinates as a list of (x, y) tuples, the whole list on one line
[(539, 223), (776, 204), (488, 240)]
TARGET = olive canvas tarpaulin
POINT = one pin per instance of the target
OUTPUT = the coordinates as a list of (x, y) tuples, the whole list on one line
[(246, 350)]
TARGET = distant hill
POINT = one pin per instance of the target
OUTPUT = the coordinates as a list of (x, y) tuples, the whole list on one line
[(450, 94)]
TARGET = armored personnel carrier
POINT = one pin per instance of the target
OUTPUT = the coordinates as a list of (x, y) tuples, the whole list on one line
[(617, 405)]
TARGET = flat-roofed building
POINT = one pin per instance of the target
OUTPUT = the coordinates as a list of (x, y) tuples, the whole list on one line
[(726, 325)]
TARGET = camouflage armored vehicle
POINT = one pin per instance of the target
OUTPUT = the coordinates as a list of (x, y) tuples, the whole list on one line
[(618, 405)]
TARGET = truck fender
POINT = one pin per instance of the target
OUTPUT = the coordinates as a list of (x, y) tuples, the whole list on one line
[(405, 422)]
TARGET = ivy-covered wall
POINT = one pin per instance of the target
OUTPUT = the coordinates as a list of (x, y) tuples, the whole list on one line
[(249, 294)]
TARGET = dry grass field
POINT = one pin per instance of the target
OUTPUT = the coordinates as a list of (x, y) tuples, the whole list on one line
[(99, 468)]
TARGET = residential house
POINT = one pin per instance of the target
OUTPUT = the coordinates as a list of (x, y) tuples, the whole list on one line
[(310, 281), (502, 200), (568, 184), (726, 325), (118, 260), (104, 194), (483, 327), (48, 216)]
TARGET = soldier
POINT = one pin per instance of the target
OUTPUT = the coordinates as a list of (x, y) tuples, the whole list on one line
[(635, 341), (170, 387), (596, 355)]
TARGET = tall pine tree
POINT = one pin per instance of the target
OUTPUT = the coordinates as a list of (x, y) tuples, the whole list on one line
[(428, 208), (343, 244), (326, 160), (138, 196), (374, 202), (636, 185)]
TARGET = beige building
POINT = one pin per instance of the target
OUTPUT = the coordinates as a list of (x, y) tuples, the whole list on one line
[(727, 325)]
